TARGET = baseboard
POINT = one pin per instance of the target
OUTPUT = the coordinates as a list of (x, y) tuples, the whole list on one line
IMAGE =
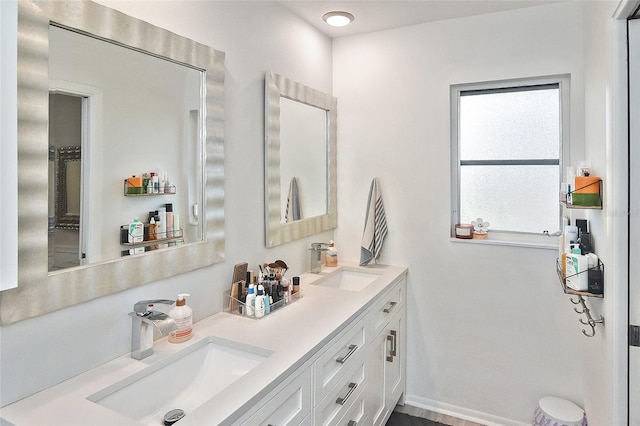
[(460, 412)]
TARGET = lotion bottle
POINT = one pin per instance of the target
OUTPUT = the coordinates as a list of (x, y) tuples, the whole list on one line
[(260, 303), (183, 316), (251, 301), (331, 255)]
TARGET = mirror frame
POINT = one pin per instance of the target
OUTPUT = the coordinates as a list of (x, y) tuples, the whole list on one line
[(39, 291), (64, 220), (276, 232)]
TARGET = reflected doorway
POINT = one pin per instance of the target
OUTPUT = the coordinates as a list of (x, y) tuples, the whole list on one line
[(65, 184)]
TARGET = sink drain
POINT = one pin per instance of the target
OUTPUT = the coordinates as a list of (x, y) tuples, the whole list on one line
[(173, 416)]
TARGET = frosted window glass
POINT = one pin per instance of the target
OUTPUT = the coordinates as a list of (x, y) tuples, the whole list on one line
[(511, 198), (510, 125)]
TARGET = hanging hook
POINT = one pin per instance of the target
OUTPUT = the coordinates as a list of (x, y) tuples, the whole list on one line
[(593, 331), (579, 311), (574, 301)]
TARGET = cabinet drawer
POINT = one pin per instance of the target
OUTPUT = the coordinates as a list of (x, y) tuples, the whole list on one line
[(289, 406), (388, 305), (339, 400), (339, 358), (356, 414)]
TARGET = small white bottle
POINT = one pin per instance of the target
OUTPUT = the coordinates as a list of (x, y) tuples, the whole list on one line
[(251, 301), (260, 303), (183, 316)]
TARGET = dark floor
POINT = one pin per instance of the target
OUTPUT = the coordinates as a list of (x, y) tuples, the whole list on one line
[(401, 419)]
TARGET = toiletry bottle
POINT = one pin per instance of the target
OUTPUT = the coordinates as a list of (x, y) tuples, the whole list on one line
[(260, 303), (162, 212), (152, 229), (183, 316), (158, 227), (155, 180), (169, 219), (176, 226), (136, 231), (295, 284), (251, 301), (331, 255), (161, 183)]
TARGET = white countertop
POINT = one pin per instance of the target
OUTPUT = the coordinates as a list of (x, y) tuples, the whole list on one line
[(293, 333)]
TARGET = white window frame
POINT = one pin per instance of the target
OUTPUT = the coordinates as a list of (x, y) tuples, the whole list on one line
[(540, 240)]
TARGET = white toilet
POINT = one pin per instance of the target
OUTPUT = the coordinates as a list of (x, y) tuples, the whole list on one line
[(554, 411)]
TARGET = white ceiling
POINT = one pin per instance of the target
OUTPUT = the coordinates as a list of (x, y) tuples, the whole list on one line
[(382, 15)]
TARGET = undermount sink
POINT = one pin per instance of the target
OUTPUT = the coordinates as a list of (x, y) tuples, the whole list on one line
[(184, 380), (348, 279)]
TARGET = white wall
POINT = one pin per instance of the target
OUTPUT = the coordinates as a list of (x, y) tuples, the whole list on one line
[(256, 37), (490, 331)]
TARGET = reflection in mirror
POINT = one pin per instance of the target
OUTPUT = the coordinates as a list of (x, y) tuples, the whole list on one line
[(303, 160), (300, 160), (145, 104), (39, 290)]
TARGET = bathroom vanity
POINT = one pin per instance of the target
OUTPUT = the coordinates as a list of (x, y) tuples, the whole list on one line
[(335, 356)]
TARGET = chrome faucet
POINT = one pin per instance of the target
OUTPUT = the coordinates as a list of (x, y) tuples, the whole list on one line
[(316, 256), (144, 317)]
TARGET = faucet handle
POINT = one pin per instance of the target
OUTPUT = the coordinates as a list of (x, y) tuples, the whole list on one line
[(319, 246), (142, 308)]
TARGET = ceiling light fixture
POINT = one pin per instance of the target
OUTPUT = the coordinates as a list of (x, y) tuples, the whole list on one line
[(338, 19)]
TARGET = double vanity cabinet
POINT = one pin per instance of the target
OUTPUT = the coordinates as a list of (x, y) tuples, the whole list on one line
[(334, 357), (356, 378)]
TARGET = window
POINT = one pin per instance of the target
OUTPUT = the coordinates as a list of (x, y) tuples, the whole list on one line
[(507, 145)]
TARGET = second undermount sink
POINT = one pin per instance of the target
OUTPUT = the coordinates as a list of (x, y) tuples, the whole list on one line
[(184, 380), (349, 279)]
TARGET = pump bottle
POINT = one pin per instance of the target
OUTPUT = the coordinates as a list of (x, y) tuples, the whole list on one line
[(183, 316)]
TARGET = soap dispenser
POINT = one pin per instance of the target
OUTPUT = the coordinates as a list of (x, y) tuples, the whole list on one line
[(331, 255), (183, 316)]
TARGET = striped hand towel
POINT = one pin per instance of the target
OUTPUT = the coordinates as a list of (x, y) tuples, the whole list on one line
[(293, 212), (375, 227)]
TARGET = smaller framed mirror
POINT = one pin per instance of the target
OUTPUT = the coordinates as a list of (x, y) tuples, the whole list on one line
[(300, 160)]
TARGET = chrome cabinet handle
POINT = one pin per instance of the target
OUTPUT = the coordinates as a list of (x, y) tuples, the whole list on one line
[(390, 308), (352, 349), (352, 388), (352, 423), (392, 338)]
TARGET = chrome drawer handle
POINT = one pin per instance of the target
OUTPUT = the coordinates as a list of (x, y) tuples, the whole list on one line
[(392, 338), (352, 387), (390, 308), (352, 349)]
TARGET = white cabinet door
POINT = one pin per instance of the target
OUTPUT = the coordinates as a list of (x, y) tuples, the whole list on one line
[(386, 370)]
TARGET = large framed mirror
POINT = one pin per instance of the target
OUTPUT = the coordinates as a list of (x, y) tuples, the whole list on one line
[(300, 160), (39, 290)]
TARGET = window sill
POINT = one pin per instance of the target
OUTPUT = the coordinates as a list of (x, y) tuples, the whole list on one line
[(514, 240)]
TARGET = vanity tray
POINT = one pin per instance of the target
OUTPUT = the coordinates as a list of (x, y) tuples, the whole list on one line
[(236, 307)]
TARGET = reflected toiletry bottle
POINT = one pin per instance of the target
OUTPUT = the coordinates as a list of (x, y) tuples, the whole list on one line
[(260, 303), (251, 301), (183, 316), (158, 227), (176, 225), (156, 183), (162, 212), (169, 219), (136, 231), (152, 229)]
